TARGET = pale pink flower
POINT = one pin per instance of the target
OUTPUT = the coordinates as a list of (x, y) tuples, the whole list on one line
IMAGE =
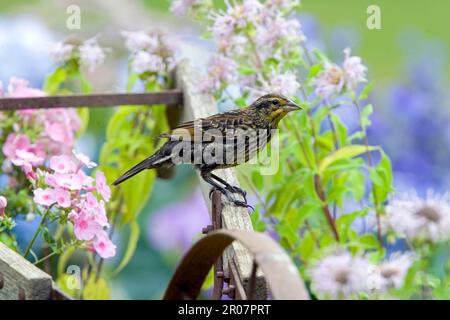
[(62, 197), (85, 160), (96, 208), (220, 70), (44, 197), (72, 216), (62, 52), (49, 179), (339, 275), (278, 5), (393, 271), (355, 71), (15, 142), (278, 30), (237, 16), (69, 181), (284, 83), (87, 182), (3, 204), (104, 246), (62, 164), (101, 185), (23, 157), (333, 79), (144, 61), (19, 88), (139, 40), (91, 54), (58, 132), (181, 7), (85, 226), (28, 170), (417, 218), (330, 81)]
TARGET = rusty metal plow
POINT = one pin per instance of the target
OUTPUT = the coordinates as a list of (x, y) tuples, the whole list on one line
[(279, 271)]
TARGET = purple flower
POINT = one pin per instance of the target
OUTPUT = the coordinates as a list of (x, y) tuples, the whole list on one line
[(176, 225)]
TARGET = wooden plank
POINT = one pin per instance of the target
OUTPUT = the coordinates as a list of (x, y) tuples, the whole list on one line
[(168, 97), (20, 279), (198, 105)]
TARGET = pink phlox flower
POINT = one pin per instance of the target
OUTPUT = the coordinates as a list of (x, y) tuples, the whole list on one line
[(62, 197), (85, 226), (104, 246), (62, 164), (101, 185), (3, 204), (23, 157), (70, 181), (15, 142), (84, 159), (44, 197)]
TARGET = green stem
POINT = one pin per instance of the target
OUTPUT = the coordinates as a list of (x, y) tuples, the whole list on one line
[(369, 160), (46, 257), (33, 239)]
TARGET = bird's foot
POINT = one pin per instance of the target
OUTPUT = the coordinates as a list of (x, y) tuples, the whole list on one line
[(234, 189), (227, 193), (243, 204)]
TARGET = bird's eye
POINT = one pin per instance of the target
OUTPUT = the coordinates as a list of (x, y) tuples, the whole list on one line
[(276, 102)]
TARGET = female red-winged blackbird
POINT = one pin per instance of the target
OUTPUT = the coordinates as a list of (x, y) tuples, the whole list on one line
[(220, 141)]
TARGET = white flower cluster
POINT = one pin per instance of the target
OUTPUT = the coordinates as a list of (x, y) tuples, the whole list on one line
[(89, 52), (417, 218), (334, 78), (341, 275), (150, 52), (254, 31), (182, 7)]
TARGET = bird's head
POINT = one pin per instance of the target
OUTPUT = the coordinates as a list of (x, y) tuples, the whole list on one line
[(274, 107)]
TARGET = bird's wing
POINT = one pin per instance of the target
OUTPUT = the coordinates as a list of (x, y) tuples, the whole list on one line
[(213, 126)]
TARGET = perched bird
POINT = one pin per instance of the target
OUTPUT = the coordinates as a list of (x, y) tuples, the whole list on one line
[(220, 141)]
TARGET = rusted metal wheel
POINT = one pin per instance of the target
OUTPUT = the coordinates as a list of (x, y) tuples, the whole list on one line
[(279, 272)]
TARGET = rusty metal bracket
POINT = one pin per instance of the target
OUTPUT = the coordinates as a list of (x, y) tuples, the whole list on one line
[(218, 265), (281, 274)]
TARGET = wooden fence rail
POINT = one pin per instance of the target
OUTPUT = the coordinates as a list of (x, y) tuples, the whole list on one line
[(21, 279)]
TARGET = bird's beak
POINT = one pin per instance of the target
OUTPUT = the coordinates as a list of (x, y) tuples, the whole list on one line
[(291, 106)]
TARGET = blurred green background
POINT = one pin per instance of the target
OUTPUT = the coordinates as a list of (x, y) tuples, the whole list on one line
[(407, 27)]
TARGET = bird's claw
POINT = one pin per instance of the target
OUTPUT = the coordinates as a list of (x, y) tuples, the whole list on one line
[(243, 193), (226, 193), (243, 204)]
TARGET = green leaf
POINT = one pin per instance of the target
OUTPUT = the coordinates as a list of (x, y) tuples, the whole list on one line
[(84, 116), (365, 114), (258, 225), (306, 246), (96, 289), (344, 223), (344, 153), (131, 247), (54, 80), (63, 259), (314, 70), (381, 176), (246, 70), (132, 79), (341, 129), (369, 241), (356, 184), (365, 91)]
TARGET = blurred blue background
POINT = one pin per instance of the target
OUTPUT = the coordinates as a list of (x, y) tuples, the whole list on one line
[(407, 60)]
